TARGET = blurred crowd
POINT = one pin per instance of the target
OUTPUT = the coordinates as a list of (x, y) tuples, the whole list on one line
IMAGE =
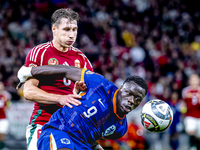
[(156, 39)]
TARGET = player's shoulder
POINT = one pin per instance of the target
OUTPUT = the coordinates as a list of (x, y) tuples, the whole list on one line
[(81, 55), (96, 78), (77, 51), (41, 47), (36, 52)]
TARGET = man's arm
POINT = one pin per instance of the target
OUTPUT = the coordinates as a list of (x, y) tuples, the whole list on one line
[(33, 93), (70, 72)]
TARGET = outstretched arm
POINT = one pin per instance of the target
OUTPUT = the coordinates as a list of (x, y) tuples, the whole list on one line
[(31, 92), (70, 72)]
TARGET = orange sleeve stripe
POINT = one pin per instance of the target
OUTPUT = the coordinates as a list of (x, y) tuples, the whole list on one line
[(51, 145), (115, 105), (82, 74)]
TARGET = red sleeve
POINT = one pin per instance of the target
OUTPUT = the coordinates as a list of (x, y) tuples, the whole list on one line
[(33, 58)]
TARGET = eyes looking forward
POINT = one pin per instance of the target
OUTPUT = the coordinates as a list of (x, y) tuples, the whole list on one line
[(71, 29), (132, 93), (134, 98)]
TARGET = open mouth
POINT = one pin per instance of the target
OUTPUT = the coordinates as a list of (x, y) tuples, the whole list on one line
[(128, 108)]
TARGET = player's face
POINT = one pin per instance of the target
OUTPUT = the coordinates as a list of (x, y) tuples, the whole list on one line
[(65, 33), (129, 97), (194, 81)]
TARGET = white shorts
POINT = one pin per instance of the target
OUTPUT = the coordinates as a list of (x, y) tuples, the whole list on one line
[(192, 124), (32, 134), (4, 124)]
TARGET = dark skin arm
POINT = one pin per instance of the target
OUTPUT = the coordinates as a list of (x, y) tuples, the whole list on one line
[(31, 92), (69, 72)]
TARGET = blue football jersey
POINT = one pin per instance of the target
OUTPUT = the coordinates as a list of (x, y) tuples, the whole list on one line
[(96, 117)]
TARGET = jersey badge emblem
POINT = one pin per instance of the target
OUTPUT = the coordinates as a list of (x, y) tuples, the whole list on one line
[(53, 61), (65, 141), (77, 63), (110, 130)]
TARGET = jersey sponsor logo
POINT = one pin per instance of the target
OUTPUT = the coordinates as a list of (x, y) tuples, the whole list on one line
[(65, 63), (65, 141), (32, 65), (77, 63), (110, 130), (53, 61), (101, 102)]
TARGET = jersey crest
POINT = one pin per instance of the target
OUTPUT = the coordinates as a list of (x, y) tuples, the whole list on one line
[(53, 61), (65, 141), (77, 63), (110, 130)]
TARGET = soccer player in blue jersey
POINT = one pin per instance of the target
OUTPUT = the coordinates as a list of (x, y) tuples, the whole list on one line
[(101, 114)]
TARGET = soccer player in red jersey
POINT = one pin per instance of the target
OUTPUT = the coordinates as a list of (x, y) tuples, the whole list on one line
[(50, 94), (4, 103), (191, 96)]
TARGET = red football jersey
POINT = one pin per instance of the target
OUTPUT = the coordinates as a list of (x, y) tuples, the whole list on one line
[(192, 100), (2, 106), (47, 54)]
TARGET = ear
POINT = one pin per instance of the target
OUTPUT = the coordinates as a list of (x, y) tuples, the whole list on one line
[(121, 87), (53, 28)]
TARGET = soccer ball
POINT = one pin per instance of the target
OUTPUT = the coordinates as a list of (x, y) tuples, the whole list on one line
[(156, 116)]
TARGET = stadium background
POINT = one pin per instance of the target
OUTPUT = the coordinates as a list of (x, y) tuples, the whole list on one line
[(156, 39)]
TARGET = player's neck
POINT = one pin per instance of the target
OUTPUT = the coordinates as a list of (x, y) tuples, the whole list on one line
[(59, 47), (120, 114), (194, 87)]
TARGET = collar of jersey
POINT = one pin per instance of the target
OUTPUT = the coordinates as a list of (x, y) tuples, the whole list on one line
[(115, 105), (55, 50)]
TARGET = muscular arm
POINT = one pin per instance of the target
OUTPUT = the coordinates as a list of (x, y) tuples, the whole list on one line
[(33, 93), (69, 72)]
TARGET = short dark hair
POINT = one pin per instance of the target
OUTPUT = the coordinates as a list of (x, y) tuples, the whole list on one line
[(64, 13), (139, 81)]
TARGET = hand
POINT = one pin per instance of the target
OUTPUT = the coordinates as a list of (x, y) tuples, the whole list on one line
[(23, 74), (70, 99), (79, 86)]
